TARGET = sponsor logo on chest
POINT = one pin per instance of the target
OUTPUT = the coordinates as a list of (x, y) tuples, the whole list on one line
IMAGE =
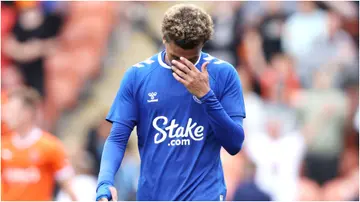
[(178, 135)]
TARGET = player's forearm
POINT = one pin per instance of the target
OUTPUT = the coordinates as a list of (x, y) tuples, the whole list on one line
[(113, 153), (228, 132)]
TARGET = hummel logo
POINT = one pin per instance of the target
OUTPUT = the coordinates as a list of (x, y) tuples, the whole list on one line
[(152, 97)]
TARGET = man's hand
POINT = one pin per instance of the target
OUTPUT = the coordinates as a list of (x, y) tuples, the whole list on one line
[(106, 192), (195, 81)]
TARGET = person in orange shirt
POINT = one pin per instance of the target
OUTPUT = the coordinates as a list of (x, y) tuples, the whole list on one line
[(31, 159)]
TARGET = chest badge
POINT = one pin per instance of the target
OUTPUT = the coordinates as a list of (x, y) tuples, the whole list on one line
[(152, 96)]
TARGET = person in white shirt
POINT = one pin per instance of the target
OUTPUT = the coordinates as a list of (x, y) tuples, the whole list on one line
[(277, 154)]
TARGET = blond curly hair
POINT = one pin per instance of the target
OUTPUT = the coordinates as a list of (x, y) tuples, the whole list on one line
[(187, 26)]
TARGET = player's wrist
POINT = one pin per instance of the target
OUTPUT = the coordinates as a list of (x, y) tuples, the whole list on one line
[(202, 93), (103, 191), (102, 198), (206, 96)]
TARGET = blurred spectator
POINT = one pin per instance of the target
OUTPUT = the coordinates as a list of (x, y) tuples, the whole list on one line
[(11, 78), (336, 49), (250, 51), (227, 17), (349, 161), (30, 40), (95, 142), (234, 171), (4, 128), (32, 159), (279, 82), (85, 182), (31, 37), (271, 28), (308, 190), (8, 16), (342, 189), (254, 105), (137, 12), (322, 111), (77, 58), (348, 9), (251, 54), (277, 154), (302, 30)]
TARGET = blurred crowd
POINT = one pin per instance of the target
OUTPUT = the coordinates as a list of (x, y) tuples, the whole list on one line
[(54, 47), (298, 64)]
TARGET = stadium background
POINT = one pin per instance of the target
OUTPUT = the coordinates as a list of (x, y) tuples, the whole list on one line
[(298, 63)]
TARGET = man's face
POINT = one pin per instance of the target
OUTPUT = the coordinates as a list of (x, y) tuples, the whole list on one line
[(174, 52), (274, 128), (16, 113)]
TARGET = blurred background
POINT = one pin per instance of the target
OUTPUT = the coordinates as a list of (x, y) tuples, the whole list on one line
[(298, 64)]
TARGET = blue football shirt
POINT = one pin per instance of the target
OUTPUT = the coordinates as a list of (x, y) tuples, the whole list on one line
[(180, 157)]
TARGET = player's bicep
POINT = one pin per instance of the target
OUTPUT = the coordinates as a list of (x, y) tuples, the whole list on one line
[(123, 109), (232, 99)]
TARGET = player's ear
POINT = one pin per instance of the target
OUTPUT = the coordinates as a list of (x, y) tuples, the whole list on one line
[(164, 40)]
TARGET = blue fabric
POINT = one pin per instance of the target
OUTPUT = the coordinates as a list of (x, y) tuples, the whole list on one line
[(179, 138), (228, 132)]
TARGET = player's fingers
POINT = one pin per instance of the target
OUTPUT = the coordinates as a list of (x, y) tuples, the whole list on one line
[(181, 66), (113, 193), (178, 78), (103, 199), (204, 67), (179, 72), (189, 64)]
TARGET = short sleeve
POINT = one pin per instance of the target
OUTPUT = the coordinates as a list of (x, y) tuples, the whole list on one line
[(232, 98), (123, 109), (60, 162)]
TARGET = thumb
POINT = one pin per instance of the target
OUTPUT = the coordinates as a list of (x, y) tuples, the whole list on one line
[(204, 67), (113, 193)]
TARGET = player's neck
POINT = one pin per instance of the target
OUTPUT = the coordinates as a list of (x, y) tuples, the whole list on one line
[(24, 130), (167, 61)]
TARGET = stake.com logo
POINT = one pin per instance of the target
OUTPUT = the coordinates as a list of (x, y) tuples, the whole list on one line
[(178, 135)]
